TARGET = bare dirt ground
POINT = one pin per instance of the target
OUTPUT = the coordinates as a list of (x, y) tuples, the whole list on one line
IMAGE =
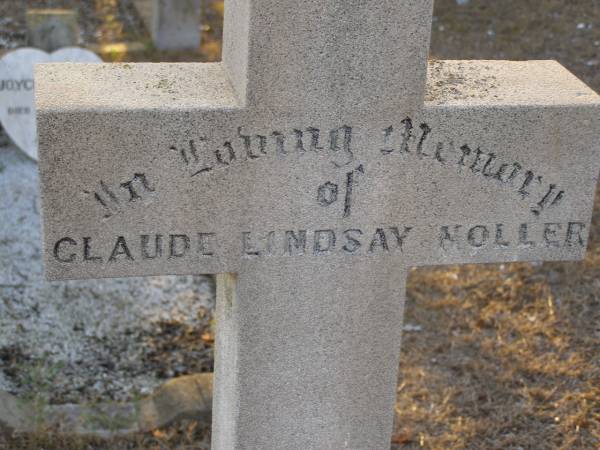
[(494, 357)]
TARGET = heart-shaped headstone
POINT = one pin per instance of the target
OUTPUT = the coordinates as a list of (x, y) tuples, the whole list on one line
[(17, 100)]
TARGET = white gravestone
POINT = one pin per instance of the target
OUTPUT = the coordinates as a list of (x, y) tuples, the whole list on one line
[(17, 109), (310, 170)]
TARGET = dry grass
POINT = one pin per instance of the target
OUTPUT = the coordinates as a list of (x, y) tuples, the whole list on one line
[(507, 358)]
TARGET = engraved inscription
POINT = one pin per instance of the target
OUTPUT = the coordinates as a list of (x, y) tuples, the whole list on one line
[(107, 198), (298, 242), (525, 236), (327, 193), (14, 85), (322, 242), (136, 186), (144, 248), (199, 156), (18, 110), (190, 156), (406, 139), (112, 200)]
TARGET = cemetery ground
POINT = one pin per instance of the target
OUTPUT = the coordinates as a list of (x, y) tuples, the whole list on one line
[(494, 356)]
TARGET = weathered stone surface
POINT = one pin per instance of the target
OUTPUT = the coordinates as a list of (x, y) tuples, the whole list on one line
[(17, 109), (51, 29), (311, 184), (174, 25), (448, 171), (77, 324)]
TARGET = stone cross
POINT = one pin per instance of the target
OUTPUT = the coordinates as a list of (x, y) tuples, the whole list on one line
[(310, 170)]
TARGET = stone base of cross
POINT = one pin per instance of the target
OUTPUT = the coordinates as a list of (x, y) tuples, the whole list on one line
[(311, 169)]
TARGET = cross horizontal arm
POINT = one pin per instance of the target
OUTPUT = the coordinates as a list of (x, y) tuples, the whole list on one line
[(105, 88), (481, 174)]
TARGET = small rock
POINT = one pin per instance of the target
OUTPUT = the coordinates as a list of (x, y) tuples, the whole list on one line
[(409, 327)]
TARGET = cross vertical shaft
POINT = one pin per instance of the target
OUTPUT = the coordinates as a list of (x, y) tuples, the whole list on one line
[(331, 56), (307, 358)]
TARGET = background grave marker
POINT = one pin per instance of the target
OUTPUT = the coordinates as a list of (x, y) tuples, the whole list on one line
[(17, 109), (310, 184), (173, 24), (51, 29)]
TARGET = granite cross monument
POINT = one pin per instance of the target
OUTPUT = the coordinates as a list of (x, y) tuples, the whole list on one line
[(312, 168)]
